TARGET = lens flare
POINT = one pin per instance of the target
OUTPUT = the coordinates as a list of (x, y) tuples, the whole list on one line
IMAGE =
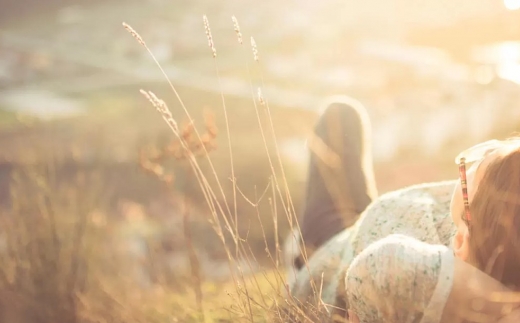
[(512, 4)]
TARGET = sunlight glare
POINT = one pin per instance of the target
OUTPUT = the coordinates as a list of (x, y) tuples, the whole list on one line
[(512, 4), (508, 67)]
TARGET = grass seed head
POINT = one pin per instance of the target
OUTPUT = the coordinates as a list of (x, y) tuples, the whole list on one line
[(134, 33), (255, 49), (236, 26), (210, 37)]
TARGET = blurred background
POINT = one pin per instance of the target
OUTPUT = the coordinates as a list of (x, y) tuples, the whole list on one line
[(436, 76)]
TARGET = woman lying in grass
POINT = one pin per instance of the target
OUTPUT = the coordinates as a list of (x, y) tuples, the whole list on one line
[(407, 254)]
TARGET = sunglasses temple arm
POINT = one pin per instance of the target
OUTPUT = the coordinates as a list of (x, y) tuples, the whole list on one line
[(464, 185)]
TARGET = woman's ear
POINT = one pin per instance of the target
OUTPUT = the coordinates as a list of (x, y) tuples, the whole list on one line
[(352, 317), (461, 244)]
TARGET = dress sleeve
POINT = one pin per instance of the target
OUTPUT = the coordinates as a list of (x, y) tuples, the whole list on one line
[(400, 279)]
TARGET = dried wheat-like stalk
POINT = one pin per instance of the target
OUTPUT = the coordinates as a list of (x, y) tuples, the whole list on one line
[(255, 49), (162, 108), (236, 26), (208, 34), (134, 33)]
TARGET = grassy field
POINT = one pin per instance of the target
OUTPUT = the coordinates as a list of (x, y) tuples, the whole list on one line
[(87, 166)]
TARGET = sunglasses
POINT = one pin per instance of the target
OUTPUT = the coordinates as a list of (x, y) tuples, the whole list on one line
[(476, 154)]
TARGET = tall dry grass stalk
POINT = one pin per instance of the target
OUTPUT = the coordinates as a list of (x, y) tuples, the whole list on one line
[(209, 36), (236, 27), (291, 213), (286, 200), (232, 164), (255, 50)]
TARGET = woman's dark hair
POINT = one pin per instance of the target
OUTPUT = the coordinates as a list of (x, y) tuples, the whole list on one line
[(495, 224)]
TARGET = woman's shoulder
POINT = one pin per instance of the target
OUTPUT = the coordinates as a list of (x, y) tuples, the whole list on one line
[(416, 202), (419, 211)]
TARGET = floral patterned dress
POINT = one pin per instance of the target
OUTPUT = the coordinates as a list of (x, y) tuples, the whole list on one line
[(396, 251)]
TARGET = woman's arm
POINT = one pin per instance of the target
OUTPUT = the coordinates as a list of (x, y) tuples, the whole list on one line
[(401, 279)]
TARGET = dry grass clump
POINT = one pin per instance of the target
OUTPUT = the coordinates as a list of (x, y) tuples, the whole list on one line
[(50, 235), (62, 262), (278, 305)]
